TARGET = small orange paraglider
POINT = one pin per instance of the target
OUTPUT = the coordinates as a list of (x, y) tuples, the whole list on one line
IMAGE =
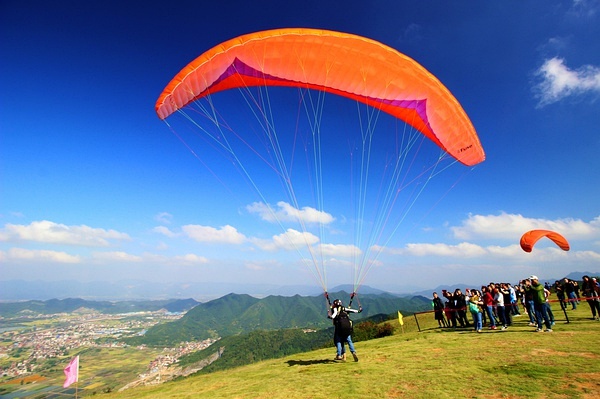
[(529, 239)]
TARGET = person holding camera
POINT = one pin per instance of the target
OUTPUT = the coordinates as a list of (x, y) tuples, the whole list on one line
[(533, 286)]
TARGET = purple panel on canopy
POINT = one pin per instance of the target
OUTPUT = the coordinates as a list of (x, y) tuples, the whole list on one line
[(239, 67)]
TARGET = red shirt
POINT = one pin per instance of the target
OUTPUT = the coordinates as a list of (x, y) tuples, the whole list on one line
[(488, 299)]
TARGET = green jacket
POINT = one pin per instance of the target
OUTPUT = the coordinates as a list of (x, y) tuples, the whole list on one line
[(538, 293)]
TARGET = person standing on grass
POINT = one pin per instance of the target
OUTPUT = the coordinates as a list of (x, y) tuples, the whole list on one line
[(448, 312), (576, 288), (474, 303), (569, 289), (438, 310), (500, 311), (539, 303), (547, 294), (529, 304), (560, 294), (461, 307), (342, 333), (451, 307), (488, 303), (591, 292), (507, 304), (514, 301)]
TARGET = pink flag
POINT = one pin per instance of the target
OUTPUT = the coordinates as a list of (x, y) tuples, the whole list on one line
[(72, 372)]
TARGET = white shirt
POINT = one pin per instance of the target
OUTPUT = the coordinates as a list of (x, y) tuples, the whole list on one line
[(499, 298)]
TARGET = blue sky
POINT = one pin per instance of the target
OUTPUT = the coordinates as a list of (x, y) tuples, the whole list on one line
[(95, 187)]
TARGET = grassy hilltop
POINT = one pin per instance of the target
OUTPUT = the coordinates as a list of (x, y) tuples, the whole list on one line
[(439, 363)]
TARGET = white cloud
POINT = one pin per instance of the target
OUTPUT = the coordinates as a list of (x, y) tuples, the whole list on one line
[(164, 218), (53, 233), (224, 235), (511, 253), (585, 8), (464, 249), (556, 44), (290, 240), (287, 213), (558, 81), (191, 258), (512, 226), (255, 267), (161, 246), (587, 256), (340, 250), (33, 256), (269, 265), (413, 33), (164, 231), (148, 258), (116, 256)]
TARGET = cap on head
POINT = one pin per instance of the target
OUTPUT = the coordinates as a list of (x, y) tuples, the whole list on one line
[(533, 277)]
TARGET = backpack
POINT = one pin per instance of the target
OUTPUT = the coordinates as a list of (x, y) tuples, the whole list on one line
[(474, 308), (343, 323)]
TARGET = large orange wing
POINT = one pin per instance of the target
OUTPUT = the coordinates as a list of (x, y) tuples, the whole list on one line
[(529, 239), (349, 65)]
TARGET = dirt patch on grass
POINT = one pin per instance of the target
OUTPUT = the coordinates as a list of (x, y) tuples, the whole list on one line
[(587, 384), (586, 355), (548, 352), (403, 390), (495, 395), (382, 359), (552, 352)]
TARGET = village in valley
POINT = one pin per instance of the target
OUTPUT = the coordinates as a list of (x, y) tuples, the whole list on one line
[(35, 344)]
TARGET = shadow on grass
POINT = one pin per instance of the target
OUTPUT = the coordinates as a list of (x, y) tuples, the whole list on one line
[(448, 329), (309, 362)]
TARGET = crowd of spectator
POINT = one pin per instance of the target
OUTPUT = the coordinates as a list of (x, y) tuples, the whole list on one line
[(495, 305)]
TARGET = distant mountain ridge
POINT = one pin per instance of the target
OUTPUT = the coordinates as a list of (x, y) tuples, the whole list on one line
[(18, 290), (235, 314), (139, 290), (70, 305)]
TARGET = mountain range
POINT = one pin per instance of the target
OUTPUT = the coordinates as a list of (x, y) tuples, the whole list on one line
[(70, 305), (240, 313), (19, 290)]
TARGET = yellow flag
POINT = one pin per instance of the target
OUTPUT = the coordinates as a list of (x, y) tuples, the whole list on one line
[(400, 320)]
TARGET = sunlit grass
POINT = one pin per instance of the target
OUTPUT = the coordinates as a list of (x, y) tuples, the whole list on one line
[(435, 362), (440, 363)]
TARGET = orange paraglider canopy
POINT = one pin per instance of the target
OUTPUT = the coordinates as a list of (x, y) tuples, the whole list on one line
[(529, 239), (339, 63)]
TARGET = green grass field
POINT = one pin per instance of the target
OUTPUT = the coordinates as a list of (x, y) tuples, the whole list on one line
[(433, 363)]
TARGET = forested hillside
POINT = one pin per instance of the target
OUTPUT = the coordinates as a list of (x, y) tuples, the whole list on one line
[(234, 314)]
